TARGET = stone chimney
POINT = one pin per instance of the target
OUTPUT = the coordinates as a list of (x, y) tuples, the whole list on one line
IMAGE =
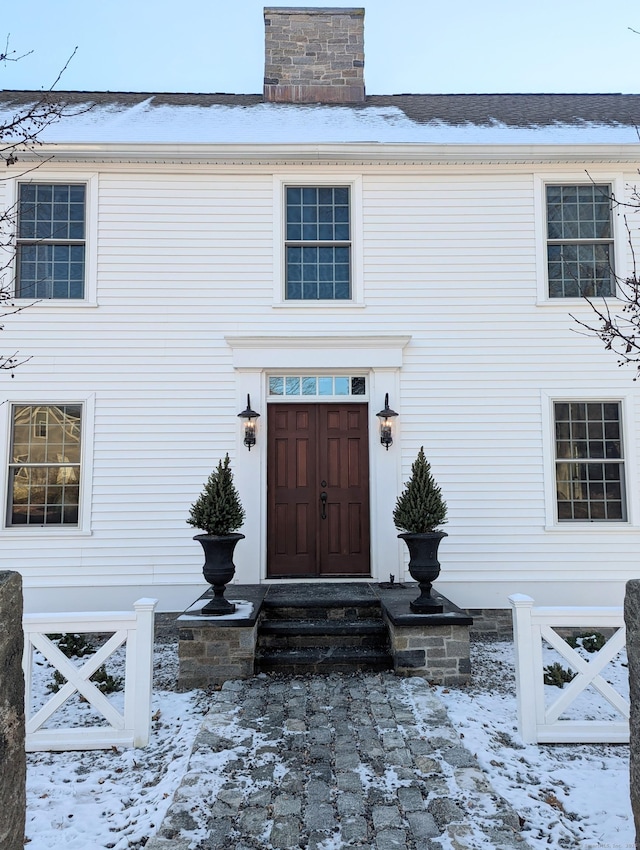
[(314, 55)]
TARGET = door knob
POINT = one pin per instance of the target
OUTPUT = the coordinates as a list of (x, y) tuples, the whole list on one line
[(323, 499)]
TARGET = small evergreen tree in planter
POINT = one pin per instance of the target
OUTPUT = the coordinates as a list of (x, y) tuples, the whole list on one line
[(419, 510), (218, 512)]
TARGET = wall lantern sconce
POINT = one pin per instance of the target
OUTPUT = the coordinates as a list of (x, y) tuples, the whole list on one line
[(386, 417), (249, 417)]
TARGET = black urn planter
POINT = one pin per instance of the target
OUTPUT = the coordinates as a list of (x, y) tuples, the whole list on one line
[(218, 569), (424, 568)]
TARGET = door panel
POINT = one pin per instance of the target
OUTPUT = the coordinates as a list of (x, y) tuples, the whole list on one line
[(314, 449), (344, 455), (292, 494)]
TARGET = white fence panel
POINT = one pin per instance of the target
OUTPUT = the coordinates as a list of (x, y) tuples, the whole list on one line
[(129, 728), (540, 723)]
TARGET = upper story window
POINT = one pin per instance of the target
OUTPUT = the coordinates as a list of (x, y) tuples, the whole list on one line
[(51, 241), (318, 243), (589, 461), (44, 465), (579, 241)]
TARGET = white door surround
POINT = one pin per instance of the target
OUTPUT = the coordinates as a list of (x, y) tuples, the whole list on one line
[(380, 358)]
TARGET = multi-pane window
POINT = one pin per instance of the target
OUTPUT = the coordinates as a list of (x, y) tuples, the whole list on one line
[(316, 385), (44, 467), (589, 461), (51, 241), (318, 243), (580, 241)]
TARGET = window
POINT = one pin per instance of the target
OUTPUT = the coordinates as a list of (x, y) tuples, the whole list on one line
[(316, 385), (318, 243), (579, 241), (51, 241), (589, 461), (44, 467)]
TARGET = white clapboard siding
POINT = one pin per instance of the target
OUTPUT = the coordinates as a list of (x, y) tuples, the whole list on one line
[(185, 257)]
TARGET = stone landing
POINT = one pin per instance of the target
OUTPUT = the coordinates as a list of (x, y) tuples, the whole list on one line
[(322, 628)]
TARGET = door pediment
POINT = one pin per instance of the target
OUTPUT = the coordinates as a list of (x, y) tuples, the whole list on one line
[(366, 351)]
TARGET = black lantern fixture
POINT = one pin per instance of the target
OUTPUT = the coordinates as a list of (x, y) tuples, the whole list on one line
[(386, 417), (249, 417)]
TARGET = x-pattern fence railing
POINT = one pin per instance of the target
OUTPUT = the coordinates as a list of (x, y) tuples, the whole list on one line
[(128, 728), (541, 723)]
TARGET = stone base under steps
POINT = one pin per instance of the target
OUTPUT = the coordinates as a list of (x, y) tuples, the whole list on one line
[(322, 628)]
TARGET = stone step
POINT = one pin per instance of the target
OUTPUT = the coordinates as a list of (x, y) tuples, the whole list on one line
[(320, 610), (318, 660), (320, 629), (323, 627), (297, 638), (334, 601)]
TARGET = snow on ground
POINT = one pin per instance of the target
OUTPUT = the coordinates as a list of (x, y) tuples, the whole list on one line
[(567, 796), (113, 798)]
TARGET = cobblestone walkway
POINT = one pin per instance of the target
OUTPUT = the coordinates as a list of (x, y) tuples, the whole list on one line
[(355, 761)]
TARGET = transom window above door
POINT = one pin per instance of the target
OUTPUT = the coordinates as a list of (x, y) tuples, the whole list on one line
[(318, 243), (316, 385)]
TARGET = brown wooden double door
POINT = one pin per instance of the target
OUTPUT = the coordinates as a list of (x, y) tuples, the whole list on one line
[(317, 490)]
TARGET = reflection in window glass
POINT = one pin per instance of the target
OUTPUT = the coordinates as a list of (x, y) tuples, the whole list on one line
[(317, 385), (44, 469), (317, 245), (292, 386), (579, 241), (589, 461), (50, 251)]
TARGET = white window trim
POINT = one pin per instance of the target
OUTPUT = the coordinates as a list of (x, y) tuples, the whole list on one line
[(354, 182), (90, 179), (83, 529), (620, 246), (625, 400)]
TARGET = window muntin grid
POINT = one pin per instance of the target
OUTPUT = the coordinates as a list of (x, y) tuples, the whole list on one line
[(579, 241), (44, 470), (316, 386), (589, 462), (317, 243), (51, 241)]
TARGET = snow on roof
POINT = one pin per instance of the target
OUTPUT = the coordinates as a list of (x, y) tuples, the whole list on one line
[(104, 118)]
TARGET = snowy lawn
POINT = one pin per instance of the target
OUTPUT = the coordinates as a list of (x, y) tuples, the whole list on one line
[(573, 796), (567, 795), (111, 798)]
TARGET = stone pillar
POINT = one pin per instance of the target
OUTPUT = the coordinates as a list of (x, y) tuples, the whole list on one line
[(632, 622), (211, 653), (437, 653), (314, 55), (12, 752)]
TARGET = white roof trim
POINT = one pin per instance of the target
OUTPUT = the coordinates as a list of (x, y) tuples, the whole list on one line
[(332, 154)]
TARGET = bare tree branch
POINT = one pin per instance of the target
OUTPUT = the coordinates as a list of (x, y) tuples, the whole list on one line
[(21, 129), (616, 322)]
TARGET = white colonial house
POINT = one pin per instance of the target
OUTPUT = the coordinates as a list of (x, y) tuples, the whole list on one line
[(317, 250)]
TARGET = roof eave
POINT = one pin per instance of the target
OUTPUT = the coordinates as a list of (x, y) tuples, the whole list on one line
[(332, 153)]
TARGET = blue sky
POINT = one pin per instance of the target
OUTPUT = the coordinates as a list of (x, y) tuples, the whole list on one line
[(418, 46)]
